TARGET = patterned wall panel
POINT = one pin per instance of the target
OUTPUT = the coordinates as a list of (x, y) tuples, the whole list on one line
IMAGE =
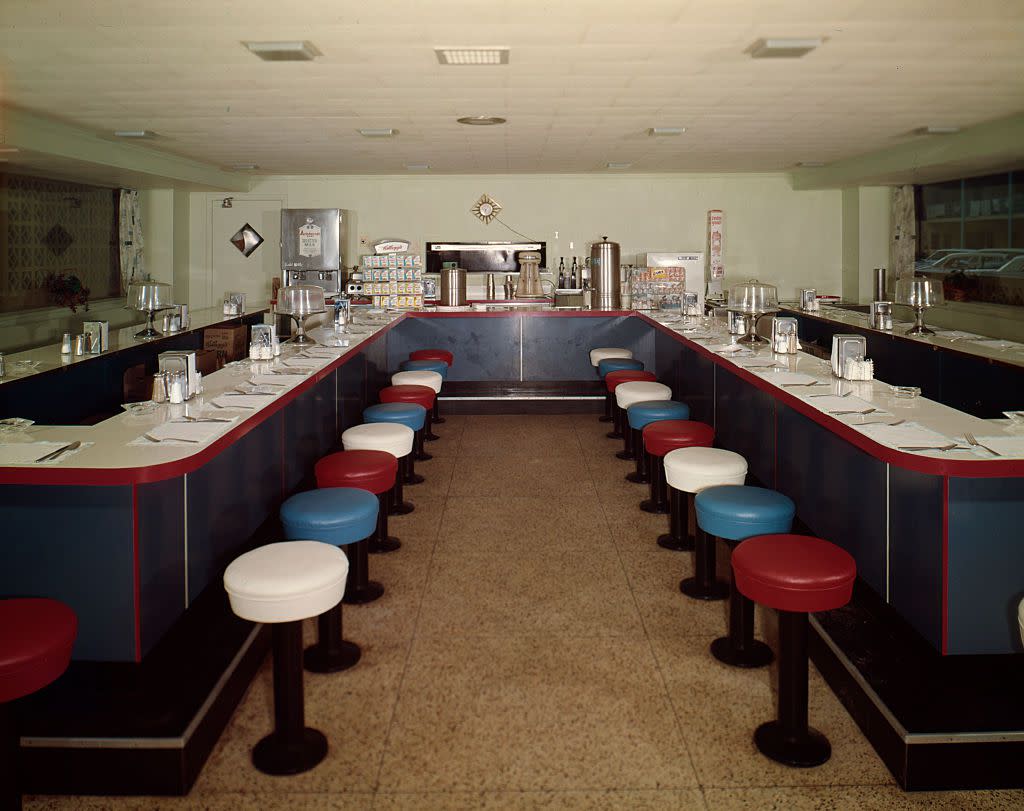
[(51, 226)]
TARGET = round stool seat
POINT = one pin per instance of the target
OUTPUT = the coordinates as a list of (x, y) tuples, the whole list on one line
[(433, 354), (794, 572), (379, 436), (642, 414), (438, 366), (604, 352), (613, 379), (736, 511), (284, 582), (693, 469), (420, 378), (36, 636), (373, 471), (334, 515), (618, 365), (668, 435), (410, 414), (640, 391), (418, 395)]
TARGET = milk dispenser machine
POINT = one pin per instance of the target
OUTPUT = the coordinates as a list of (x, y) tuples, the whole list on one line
[(311, 240)]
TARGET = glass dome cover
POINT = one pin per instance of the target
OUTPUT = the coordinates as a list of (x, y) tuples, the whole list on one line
[(753, 297), (300, 300)]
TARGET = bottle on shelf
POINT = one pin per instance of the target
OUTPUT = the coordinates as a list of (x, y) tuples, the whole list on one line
[(574, 275), (561, 273)]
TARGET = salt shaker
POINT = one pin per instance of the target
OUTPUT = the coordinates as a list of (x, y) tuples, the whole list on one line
[(177, 394), (65, 344)]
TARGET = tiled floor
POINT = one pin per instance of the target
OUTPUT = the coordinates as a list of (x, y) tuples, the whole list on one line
[(532, 651)]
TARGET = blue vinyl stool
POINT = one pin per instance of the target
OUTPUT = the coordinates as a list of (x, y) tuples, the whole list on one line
[(438, 366), (734, 512), (411, 415), (640, 414), (345, 517)]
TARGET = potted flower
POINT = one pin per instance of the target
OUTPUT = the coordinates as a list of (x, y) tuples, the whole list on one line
[(958, 286), (67, 290)]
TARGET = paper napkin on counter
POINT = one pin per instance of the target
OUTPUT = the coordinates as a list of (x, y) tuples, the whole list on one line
[(183, 433), (1003, 445), (304, 363), (909, 434), (246, 401), (277, 380), (26, 453), (792, 378), (833, 402)]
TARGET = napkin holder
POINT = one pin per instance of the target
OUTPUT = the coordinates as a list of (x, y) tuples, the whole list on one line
[(784, 336), (845, 347), (181, 362)]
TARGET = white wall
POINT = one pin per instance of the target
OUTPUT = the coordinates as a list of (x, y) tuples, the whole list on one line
[(791, 239)]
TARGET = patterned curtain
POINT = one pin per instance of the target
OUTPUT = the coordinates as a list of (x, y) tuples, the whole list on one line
[(903, 248), (129, 218)]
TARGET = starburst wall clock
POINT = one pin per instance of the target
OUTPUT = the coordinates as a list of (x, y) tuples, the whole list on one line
[(486, 208)]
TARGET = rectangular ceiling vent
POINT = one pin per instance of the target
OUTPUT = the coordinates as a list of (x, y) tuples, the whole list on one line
[(304, 51), (472, 56)]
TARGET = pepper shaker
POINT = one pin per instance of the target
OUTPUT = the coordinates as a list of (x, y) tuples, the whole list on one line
[(65, 344)]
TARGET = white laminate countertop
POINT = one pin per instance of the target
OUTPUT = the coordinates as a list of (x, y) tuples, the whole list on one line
[(959, 340), (830, 394), (118, 442), (29, 362)]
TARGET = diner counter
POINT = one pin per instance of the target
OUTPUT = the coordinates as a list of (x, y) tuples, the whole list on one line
[(124, 522)]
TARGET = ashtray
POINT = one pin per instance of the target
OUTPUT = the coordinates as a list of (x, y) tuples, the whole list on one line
[(906, 391), (1016, 417), (140, 409), (11, 425)]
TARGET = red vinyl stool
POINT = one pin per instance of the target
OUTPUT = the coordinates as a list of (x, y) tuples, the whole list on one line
[(660, 438), (36, 636), (434, 354), (611, 381), (374, 471), (796, 575), (419, 395)]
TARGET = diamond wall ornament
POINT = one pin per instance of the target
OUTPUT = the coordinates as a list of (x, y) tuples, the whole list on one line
[(246, 239), (486, 208), (58, 240)]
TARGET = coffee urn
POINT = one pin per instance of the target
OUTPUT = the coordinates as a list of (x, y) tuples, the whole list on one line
[(604, 274)]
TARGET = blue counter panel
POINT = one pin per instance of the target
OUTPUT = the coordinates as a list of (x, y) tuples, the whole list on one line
[(668, 365), (986, 565), (74, 544), (484, 348), (161, 510), (351, 388), (839, 491), (378, 371), (745, 423), (229, 498), (915, 550), (309, 431)]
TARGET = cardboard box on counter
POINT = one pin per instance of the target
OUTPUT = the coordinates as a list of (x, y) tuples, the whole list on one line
[(231, 343)]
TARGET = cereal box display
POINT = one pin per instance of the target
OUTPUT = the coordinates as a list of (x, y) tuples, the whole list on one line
[(394, 280)]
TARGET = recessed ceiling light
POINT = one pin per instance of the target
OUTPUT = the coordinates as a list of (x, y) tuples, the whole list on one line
[(782, 48), (481, 120), (472, 56), (810, 164), (143, 134), (619, 165), (666, 130), (417, 167), (298, 51), (243, 167), (383, 132), (937, 130)]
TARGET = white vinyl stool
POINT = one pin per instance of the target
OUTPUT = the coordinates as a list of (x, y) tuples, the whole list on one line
[(636, 391), (691, 470), (392, 438), (283, 584), (419, 377), (605, 352)]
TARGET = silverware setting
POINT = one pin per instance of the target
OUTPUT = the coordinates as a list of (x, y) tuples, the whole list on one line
[(187, 418), (795, 385), (71, 446), (844, 394), (972, 440), (883, 422), (854, 411), (152, 438), (954, 446)]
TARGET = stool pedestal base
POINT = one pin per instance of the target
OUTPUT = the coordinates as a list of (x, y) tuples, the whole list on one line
[(380, 542), (331, 653), (658, 501), (739, 648), (704, 585), (292, 747), (397, 505), (617, 419), (802, 751), (359, 588), (641, 475), (607, 416), (678, 538), (428, 432), (436, 417)]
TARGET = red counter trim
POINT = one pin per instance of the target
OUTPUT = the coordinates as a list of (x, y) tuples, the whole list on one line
[(136, 575), (527, 313), (945, 565), (981, 469)]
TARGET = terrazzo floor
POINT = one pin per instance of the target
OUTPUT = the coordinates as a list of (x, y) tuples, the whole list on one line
[(532, 651)]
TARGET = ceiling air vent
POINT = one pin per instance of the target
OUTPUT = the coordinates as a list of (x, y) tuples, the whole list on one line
[(472, 56), (303, 51)]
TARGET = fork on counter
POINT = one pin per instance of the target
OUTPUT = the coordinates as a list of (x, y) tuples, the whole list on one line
[(794, 385), (152, 438), (972, 440), (953, 446), (854, 411)]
